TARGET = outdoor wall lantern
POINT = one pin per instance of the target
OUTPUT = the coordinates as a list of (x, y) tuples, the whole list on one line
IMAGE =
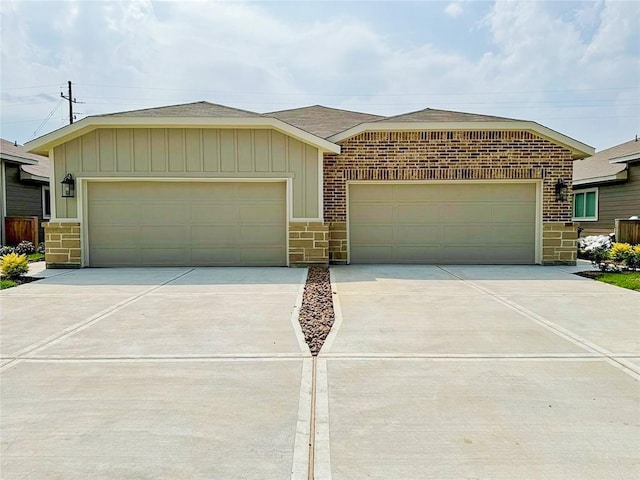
[(562, 190), (68, 186)]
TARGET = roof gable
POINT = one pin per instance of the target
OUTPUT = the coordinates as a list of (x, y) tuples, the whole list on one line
[(195, 109), (433, 115), (323, 121)]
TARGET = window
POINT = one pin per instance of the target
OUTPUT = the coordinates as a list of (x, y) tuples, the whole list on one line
[(585, 205), (46, 202)]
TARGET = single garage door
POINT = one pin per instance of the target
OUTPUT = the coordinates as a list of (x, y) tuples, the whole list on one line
[(471, 223), (190, 224)]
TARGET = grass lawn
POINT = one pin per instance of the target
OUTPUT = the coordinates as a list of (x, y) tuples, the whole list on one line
[(629, 280), (35, 257), (7, 284)]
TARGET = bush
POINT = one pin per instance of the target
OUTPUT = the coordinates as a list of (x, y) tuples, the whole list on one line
[(599, 256), (633, 259), (14, 265), (41, 248), (620, 252), (6, 250), (25, 247)]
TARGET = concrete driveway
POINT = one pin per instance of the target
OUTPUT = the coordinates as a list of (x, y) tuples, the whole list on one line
[(155, 373), (478, 372)]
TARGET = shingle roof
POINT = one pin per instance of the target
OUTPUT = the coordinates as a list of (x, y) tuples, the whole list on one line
[(323, 121), (599, 164), (11, 151), (432, 115), (196, 109)]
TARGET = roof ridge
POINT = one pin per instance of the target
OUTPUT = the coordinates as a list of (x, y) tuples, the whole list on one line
[(199, 102), (325, 107)]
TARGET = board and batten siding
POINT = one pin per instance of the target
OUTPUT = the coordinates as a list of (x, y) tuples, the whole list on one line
[(615, 201), (191, 153)]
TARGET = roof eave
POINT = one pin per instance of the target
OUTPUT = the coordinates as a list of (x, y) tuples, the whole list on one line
[(24, 175), (601, 180), (15, 158), (43, 144), (626, 158), (578, 149)]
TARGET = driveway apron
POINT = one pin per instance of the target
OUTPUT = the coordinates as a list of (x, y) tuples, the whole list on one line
[(156, 373), (478, 372)]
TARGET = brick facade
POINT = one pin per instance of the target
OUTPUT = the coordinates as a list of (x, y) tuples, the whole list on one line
[(62, 245), (308, 243), (444, 155)]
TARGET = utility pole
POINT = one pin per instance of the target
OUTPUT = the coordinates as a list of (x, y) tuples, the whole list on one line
[(71, 101)]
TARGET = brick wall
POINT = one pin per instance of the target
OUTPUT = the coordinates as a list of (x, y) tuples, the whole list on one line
[(308, 243), (62, 245), (446, 155)]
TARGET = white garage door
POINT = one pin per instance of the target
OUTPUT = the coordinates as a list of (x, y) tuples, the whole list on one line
[(179, 223), (490, 223)]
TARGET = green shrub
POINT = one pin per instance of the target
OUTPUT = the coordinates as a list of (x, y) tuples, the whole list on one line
[(14, 265), (620, 252), (633, 258), (599, 256)]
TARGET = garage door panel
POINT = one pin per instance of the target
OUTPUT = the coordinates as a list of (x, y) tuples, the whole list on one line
[(466, 234), (417, 254), (370, 253), (116, 257), (214, 213), (416, 234), (371, 193), (125, 213), (410, 193), (162, 235), (266, 256), (261, 213), (214, 236), (372, 213), (466, 212), (165, 256), (178, 223), (520, 234), (162, 213), (490, 223), (215, 256), (424, 213), (250, 192), (508, 213), (378, 234)]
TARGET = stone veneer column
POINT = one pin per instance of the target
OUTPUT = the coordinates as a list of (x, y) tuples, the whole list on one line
[(308, 243), (559, 243), (338, 242), (62, 245)]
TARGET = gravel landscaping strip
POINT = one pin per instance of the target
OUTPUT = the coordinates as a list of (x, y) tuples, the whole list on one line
[(316, 314)]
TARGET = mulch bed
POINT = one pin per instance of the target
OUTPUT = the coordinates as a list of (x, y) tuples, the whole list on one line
[(21, 280), (316, 314), (593, 274)]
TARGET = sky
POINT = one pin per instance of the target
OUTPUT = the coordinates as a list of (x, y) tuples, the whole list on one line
[(571, 66)]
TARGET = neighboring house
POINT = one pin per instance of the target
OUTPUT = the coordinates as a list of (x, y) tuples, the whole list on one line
[(24, 185), (606, 186), (205, 184)]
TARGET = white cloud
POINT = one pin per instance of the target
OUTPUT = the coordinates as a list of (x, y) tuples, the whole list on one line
[(454, 9), (184, 51)]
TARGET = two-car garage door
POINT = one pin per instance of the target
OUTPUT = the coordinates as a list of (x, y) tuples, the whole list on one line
[(179, 223), (472, 223)]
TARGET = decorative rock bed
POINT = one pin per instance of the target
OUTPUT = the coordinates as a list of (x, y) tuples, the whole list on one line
[(316, 314)]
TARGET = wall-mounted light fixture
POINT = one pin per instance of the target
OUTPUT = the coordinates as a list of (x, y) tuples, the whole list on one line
[(68, 186), (562, 190)]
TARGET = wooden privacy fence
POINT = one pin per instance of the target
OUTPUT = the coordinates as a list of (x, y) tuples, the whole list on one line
[(628, 231), (18, 229)]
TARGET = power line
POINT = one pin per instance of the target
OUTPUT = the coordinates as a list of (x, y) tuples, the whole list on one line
[(361, 94), (46, 119)]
